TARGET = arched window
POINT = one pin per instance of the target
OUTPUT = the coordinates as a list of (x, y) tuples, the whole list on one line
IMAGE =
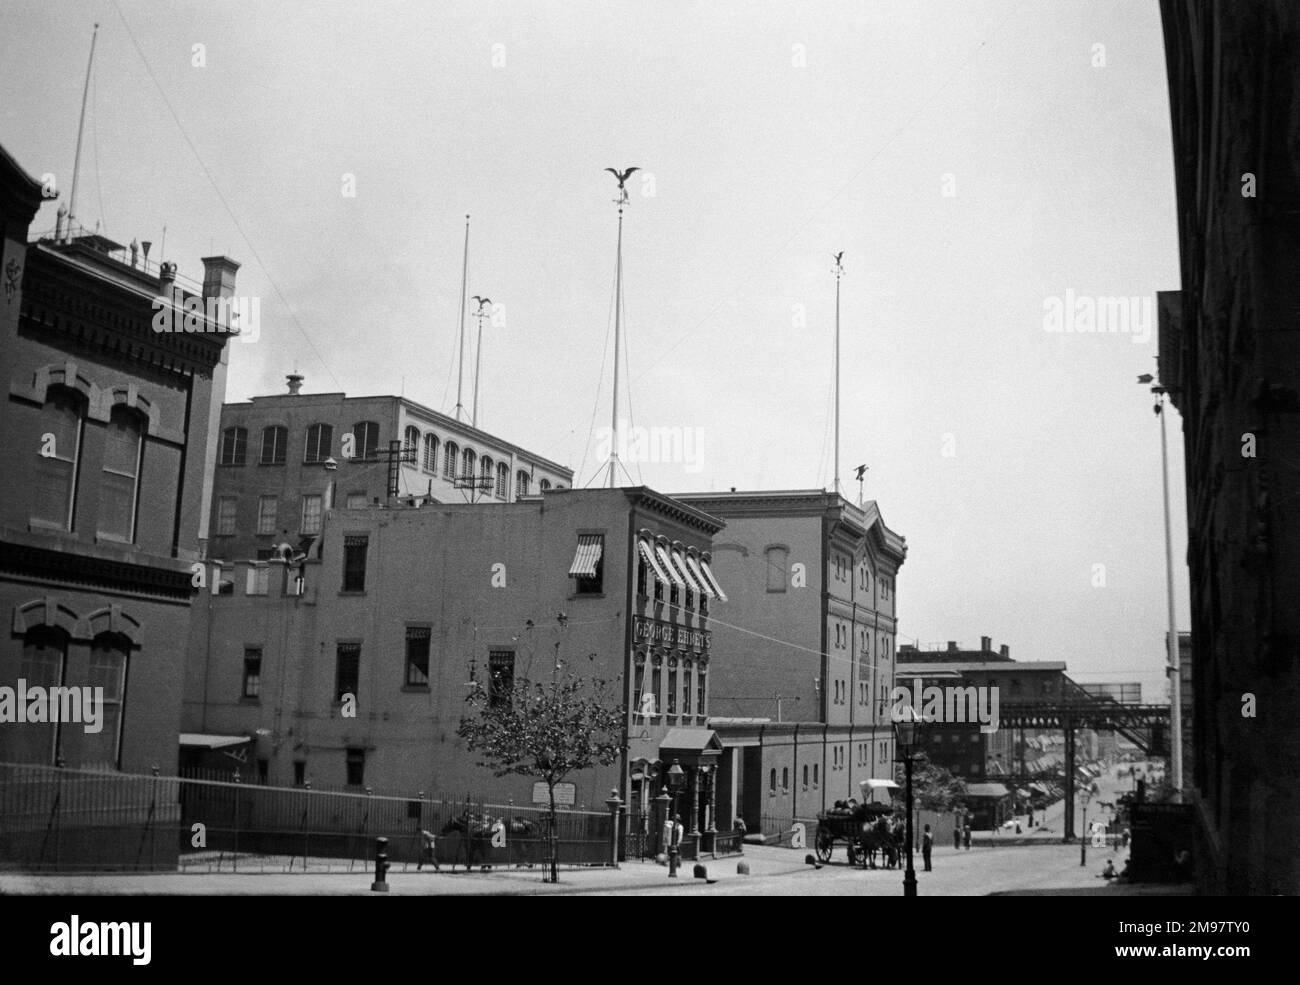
[(671, 708), (234, 446), (468, 462), (275, 443), (365, 437), (411, 442), (320, 443), (701, 688), (522, 480), (119, 483), (544, 485), (688, 686), (486, 470), (44, 660), (56, 470), (503, 480), (430, 462), (108, 656), (771, 781), (449, 456)]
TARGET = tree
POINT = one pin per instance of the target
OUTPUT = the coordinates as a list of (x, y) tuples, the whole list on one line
[(544, 730), (933, 787)]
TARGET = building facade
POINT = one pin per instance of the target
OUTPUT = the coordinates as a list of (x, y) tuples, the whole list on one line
[(104, 431), (284, 459), (801, 703), (404, 607), (1230, 360)]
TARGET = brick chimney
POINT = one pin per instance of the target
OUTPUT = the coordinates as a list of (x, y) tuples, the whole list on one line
[(986, 644), (952, 646), (1005, 651)]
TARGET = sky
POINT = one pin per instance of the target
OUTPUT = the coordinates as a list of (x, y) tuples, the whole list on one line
[(975, 160)]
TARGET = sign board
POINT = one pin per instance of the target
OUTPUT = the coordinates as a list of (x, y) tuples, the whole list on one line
[(565, 794)]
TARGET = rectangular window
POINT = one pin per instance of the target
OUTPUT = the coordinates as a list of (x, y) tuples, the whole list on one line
[(299, 772), (356, 763), (588, 566), (267, 515), (347, 672), (700, 673), (226, 515), (656, 683), (102, 750), (417, 655), (252, 672), (501, 676), (56, 466), (688, 688), (310, 515), (357, 501), (354, 562), (259, 577), (672, 685), (123, 445)]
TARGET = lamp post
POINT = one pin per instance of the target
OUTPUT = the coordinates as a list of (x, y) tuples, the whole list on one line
[(1173, 668), (1085, 795), (905, 732), (676, 777)]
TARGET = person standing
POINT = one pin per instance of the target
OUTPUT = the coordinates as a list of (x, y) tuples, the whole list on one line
[(966, 837), (927, 846), (956, 836)]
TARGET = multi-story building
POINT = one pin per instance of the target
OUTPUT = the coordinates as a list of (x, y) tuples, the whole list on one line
[(286, 458), (801, 702), (104, 434), (404, 607), (1230, 360)]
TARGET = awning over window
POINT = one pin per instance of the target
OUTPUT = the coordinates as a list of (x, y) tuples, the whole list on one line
[(713, 582), (668, 567), (684, 571), (648, 553), (198, 740), (585, 558), (705, 587)]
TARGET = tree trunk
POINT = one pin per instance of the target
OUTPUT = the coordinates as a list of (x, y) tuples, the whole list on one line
[(551, 837)]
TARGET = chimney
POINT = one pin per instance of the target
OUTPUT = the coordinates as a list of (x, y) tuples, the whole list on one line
[(135, 252), (986, 644), (952, 646), (1006, 652), (295, 382), (60, 218), (219, 277)]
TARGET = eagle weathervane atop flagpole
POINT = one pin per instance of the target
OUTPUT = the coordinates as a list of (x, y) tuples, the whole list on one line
[(621, 201), (839, 272)]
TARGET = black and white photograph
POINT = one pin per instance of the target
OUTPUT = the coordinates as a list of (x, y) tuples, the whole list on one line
[(517, 449)]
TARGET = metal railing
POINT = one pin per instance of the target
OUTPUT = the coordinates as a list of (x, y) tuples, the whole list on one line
[(63, 820)]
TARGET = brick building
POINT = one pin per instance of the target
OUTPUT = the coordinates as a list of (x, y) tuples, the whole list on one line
[(104, 434), (1230, 359), (284, 459), (402, 607), (800, 703)]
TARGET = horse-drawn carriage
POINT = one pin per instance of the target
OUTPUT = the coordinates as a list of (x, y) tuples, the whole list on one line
[(867, 830)]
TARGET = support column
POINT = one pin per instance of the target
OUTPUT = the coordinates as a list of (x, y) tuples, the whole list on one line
[(1069, 778)]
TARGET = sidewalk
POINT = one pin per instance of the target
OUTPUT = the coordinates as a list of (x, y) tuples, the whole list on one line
[(635, 875)]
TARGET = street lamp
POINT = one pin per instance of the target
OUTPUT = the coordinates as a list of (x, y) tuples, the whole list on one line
[(906, 728), (1173, 668), (1085, 795), (676, 777)]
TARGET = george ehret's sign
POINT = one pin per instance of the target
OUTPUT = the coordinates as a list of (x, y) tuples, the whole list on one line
[(652, 631)]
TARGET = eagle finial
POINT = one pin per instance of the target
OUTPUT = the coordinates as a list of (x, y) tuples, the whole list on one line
[(622, 177)]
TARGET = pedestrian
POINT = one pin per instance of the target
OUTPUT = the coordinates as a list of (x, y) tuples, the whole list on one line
[(956, 836), (427, 853), (927, 846), (1109, 872), (1017, 825), (966, 837), (738, 826)]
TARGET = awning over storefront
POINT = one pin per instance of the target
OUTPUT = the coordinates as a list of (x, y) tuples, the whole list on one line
[(199, 740), (708, 573), (995, 790), (586, 557), (698, 575), (648, 553), (680, 562)]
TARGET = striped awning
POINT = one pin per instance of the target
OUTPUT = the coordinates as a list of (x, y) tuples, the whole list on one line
[(684, 571), (668, 567), (713, 581), (587, 555), (703, 582), (648, 553)]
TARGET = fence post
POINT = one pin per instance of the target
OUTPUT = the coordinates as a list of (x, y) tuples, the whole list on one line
[(613, 803), (380, 885), (234, 858)]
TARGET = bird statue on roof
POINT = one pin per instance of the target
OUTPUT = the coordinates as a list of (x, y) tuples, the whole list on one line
[(622, 177)]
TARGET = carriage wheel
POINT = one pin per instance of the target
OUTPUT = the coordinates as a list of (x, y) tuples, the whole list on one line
[(825, 844)]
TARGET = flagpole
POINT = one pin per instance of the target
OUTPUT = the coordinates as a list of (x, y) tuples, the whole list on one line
[(81, 126), (839, 271), (460, 372)]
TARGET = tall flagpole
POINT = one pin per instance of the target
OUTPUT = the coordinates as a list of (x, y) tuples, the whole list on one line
[(621, 201), (839, 272), (81, 126), (460, 372), (483, 305)]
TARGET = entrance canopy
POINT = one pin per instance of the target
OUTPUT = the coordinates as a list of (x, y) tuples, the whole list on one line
[(690, 746), (200, 740)]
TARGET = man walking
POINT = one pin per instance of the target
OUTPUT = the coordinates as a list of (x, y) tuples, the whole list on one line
[(966, 837), (927, 846)]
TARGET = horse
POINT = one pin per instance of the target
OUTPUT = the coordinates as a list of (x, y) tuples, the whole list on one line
[(475, 831), (879, 837)]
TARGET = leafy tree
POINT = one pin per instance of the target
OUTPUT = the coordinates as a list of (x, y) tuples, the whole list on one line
[(933, 787), (544, 730)]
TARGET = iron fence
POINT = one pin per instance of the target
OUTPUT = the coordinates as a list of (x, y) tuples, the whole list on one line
[(62, 820)]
